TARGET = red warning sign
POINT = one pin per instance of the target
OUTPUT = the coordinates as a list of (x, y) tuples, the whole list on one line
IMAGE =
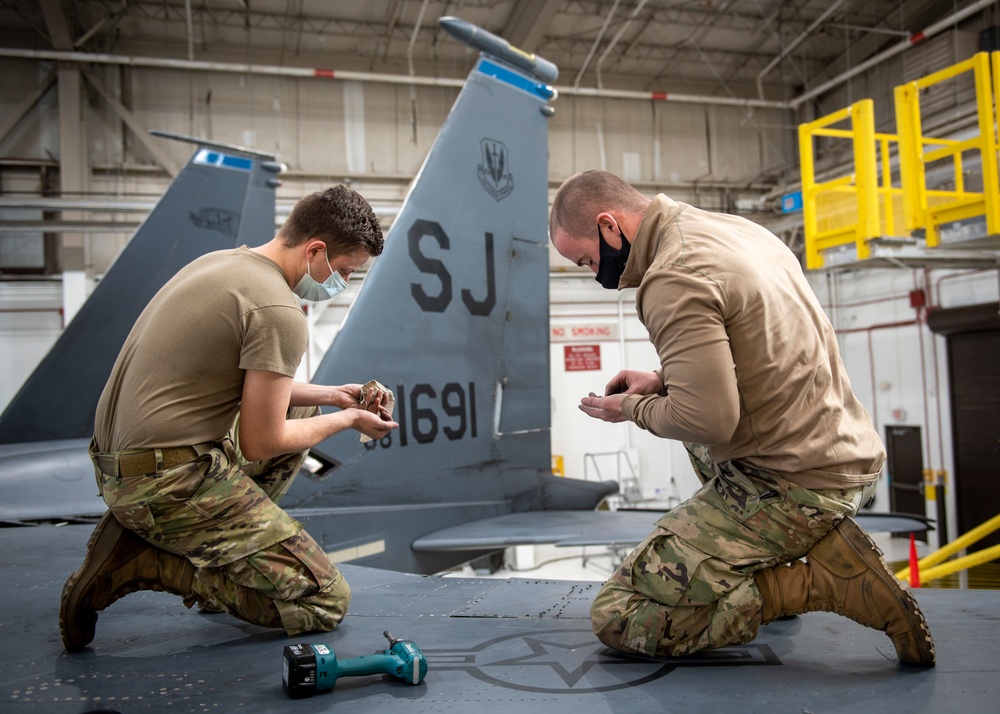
[(581, 358)]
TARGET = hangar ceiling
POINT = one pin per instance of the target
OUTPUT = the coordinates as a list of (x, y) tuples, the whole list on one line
[(729, 48)]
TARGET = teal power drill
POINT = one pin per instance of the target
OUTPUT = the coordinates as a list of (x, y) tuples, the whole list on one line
[(307, 669)]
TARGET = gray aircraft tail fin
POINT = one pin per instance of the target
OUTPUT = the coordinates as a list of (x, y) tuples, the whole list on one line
[(453, 317), (223, 197)]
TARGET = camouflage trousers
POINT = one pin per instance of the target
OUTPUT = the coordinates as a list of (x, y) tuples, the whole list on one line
[(689, 586), (221, 512)]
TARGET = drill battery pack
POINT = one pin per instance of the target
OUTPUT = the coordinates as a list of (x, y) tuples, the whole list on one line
[(298, 670)]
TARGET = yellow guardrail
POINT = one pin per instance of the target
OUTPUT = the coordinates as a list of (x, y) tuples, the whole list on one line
[(930, 208), (925, 565), (859, 206), (886, 197)]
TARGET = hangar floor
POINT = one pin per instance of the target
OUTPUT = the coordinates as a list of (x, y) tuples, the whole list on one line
[(515, 645)]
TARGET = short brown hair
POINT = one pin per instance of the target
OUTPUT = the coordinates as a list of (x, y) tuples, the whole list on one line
[(339, 217), (584, 195)]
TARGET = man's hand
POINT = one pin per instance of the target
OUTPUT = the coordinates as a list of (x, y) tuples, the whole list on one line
[(603, 408), (374, 426), (266, 431), (345, 396), (632, 381), (376, 397), (352, 396)]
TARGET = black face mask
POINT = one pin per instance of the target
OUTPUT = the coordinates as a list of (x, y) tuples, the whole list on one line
[(612, 262)]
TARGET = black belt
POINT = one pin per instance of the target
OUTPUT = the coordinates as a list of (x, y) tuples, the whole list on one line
[(144, 462)]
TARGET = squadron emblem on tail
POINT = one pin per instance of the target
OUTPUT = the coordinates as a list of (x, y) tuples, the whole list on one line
[(493, 172)]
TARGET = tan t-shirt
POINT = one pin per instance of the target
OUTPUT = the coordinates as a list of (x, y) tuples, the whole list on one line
[(178, 380), (749, 361)]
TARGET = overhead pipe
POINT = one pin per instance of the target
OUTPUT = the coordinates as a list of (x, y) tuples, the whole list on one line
[(614, 40), (237, 68), (869, 30), (792, 45), (324, 73), (893, 51), (597, 41), (409, 63), (190, 28), (283, 208), (672, 97)]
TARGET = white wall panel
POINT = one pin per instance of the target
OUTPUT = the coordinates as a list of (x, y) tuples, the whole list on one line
[(579, 125), (354, 127), (106, 129), (158, 99), (392, 125), (305, 121), (628, 128), (664, 472), (897, 367), (682, 132), (30, 324), (734, 150)]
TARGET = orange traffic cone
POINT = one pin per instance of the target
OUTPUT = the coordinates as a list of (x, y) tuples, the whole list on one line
[(914, 570)]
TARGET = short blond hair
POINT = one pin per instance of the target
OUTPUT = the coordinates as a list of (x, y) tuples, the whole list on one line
[(584, 195)]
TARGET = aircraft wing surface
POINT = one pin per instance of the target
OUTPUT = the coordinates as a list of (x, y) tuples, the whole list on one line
[(491, 646), (50, 480), (578, 528)]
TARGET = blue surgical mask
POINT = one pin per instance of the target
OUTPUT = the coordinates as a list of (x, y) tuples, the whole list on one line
[(309, 289)]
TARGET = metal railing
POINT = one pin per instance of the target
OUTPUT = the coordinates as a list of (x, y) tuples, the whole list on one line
[(929, 569), (887, 194), (627, 477), (856, 207), (927, 208)]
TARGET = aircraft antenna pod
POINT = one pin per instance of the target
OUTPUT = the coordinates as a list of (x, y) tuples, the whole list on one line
[(475, 36)]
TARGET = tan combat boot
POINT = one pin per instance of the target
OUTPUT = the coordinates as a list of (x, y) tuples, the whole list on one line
[(844, 573), (118, 562)]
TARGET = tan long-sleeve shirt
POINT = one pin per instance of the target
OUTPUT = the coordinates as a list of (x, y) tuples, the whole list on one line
[(749, 361)]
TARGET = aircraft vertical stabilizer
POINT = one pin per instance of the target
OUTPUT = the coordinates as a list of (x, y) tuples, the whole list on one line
[(453, 317), (224, 197)]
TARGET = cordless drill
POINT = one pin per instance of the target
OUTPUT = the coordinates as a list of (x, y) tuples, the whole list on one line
[(307, 669)]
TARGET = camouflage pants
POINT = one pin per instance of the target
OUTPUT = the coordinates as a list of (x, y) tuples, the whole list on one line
[(221, 512), (689, 586)]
